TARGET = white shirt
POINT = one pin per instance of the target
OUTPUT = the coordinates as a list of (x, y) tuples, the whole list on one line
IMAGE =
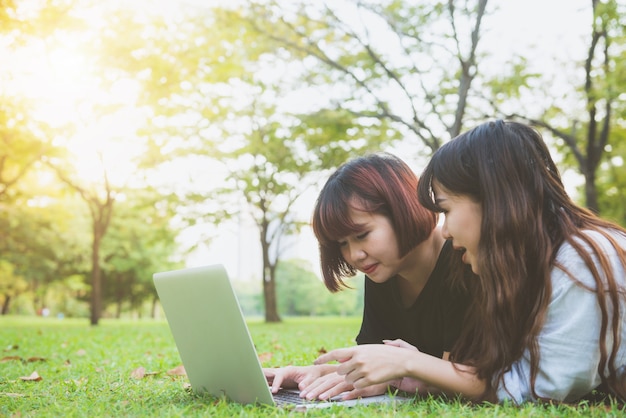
[(569, 341)]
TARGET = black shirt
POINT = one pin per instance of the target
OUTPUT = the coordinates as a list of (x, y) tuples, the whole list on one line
[(432, 323)]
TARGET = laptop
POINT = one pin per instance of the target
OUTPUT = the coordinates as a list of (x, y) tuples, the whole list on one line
[(214, 342)]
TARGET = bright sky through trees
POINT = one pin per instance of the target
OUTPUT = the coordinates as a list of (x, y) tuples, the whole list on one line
[(59, 78)]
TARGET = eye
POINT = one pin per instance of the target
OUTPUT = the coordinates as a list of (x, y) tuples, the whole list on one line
[(441, 209), (342, 243), (362, 236)]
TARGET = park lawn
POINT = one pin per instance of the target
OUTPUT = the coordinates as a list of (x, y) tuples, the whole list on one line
[(124, 368)]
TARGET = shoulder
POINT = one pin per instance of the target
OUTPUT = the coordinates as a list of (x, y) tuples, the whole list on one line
[(568, 254), (571, 258)]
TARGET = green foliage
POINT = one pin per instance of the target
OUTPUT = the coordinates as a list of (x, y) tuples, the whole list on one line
[(44, 242), (268, 96), (21, 145), (409, 65), (301, 293), (587, 121), (10, 284), (611, 180), (141, 241)]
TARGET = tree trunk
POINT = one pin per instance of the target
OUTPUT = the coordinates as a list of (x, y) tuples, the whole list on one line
[(591, 192), (269, 280), (5, 304), (155, 301), (96, 285), (269, 292)]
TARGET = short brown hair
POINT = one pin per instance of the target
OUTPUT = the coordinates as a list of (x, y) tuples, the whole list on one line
[(381, 183)]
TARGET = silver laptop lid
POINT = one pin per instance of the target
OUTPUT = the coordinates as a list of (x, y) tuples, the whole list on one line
[(211, 334)]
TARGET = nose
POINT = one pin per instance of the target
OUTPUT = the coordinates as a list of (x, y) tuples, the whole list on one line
[(355, 253)]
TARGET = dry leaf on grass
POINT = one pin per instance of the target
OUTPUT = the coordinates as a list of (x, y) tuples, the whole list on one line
[(34, 377), (177, 371), (321, 351), (18, 358), (81, 352), (138, 373), (12, 347), (265, 356)]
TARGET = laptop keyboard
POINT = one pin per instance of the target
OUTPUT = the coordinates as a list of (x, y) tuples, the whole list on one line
[(289, 397)]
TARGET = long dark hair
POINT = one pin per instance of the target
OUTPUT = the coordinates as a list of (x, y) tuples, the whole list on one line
[(527, 216), (379, 183)]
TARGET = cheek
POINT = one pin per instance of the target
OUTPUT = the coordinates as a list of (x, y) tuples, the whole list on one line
[(344, 253)]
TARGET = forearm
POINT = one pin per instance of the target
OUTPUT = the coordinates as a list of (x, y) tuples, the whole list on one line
[(443, 375)]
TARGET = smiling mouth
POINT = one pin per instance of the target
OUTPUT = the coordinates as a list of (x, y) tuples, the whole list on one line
[(369, 269)]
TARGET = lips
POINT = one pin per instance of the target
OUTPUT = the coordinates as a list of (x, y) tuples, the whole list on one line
[(369, 269)]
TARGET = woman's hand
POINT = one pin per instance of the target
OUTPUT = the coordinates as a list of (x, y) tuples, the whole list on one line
[(291, 377), (371, 364), (333, 384)]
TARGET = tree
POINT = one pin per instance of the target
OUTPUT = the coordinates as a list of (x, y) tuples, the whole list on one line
[(100, 204), (302, 293), (21, 145), (275, 165), (87, 134), (267, 154), (11, 285), (411, 64), (611, 181), (141, 241), (585, 133), (42, 236)]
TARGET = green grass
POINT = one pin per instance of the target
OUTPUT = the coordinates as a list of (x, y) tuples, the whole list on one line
[(87, 372)]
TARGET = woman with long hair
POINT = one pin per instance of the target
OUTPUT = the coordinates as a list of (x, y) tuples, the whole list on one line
[(546, 320)]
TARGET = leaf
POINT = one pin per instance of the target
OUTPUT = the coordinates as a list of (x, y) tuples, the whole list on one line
[(321, 351), (177, 371), (34, 377), (138, 373), (12, 347), (10, 358), (34, 359), (263, 357)]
